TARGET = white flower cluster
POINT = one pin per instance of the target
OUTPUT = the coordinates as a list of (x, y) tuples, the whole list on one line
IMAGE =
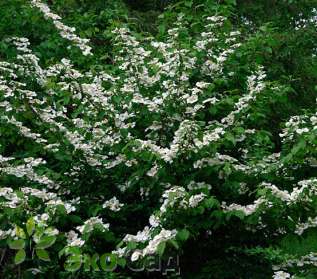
[(91, 224), (217, 160), (174, 197), (306, 190), (305, 193), (27, 170), (5, 234), (141, 236), (50, 200), (298, 125), (306, 260), (302, 22), (42, 216), (281, 275), (151, 248), (113, 204), (246, 209), (196, 199), (53, 204), (65, 31), (301, 227), (216, 57), (178, 198), (73, 240), (198, 185)]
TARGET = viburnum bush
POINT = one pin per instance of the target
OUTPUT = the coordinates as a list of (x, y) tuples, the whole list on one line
[(172, 149)]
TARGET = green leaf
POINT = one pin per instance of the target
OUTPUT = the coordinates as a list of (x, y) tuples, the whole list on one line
[(210, 203), (20, 256), (121, 262), (45, 242), (73, 263), (298, 147), (231, 2), (30, 226), (16, 244), (42, 254), (183, 234), (188, 3), (69, 250), (161, 248), (174, 243), (240, 214), (230, 138), (20, 232), (131, 245)]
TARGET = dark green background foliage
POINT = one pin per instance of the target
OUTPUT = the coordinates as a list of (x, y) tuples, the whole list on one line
[(270, 38)]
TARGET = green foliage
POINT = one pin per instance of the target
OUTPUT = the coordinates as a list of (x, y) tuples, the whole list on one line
[(20, 256), (190, 131)]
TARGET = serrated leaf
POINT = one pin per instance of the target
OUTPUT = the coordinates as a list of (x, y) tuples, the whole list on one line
[(183, 234), (45, 242), (174, 243), (19, 257), (42, 254), (20, 232), (30, 226), (16, 244)]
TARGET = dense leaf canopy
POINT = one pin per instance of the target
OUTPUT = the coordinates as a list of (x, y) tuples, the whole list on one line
[(180, 133)]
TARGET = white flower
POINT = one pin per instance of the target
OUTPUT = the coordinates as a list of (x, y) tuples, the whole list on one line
[(246, 209), (136, 255), (120, 252), (4, 234), (153, 244), (301, 131), (73, 239), (154, 221), (196, 199), (90, 224), (281, 275), (45, 217), (54, 203), (313, 119), (192, 99), (113, 204), (141, 236), (153, 171)]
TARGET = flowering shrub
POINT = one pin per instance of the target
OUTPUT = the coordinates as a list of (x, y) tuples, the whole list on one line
[(169, 150)]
